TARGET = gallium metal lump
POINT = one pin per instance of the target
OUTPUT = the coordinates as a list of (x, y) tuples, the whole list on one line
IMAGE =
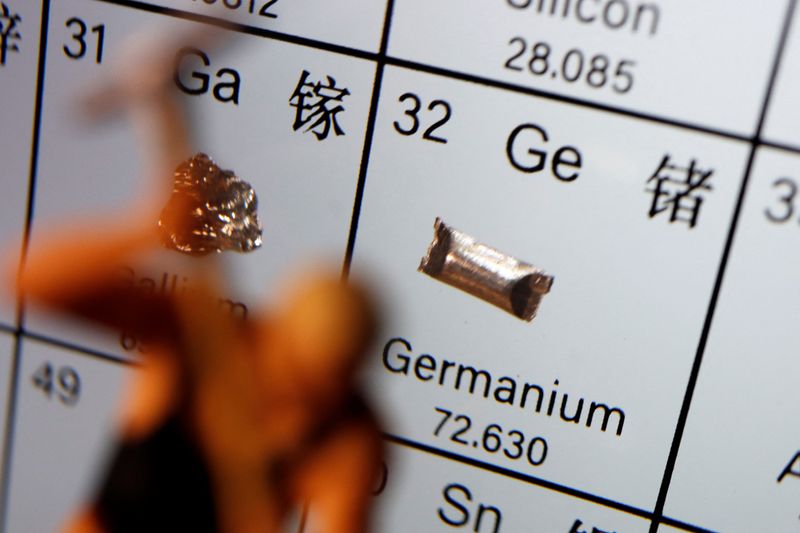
[(210, 210)]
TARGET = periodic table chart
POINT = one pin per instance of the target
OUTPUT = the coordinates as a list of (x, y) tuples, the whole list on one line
[(645, 153)]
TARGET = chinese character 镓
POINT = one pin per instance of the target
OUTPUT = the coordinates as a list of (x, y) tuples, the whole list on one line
[(9, 24), (316, 106), (678, 190)]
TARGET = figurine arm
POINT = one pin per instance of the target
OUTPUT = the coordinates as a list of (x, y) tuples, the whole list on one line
[(85, 522), (339, 478), (79, 272)]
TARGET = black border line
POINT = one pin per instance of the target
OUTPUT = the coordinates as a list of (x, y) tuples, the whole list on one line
[(83, 350), (684, 526), (383, 60), (368, 137), (712, 305), (519, 476), (556, 97), (786, 147), (8, 437), (243, 28), (533, 480), (383, 57)]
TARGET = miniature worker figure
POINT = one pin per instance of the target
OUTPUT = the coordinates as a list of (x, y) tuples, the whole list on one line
[(229, 423)]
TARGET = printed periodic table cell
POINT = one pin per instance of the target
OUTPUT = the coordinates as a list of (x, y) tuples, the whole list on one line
[(426, 494), (646, 57), (19, 58), (255, 121), (65, 420), (529, 178), (351, 23), (580, 218), (783, 120), (6, 361), (747, 391)]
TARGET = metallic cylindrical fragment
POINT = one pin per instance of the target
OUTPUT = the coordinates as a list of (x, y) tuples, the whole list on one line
[(459, 260)]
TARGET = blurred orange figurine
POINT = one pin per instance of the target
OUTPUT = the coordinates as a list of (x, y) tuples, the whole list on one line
[(230, 423)]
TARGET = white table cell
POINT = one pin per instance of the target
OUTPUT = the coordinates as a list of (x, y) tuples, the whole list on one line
[(351, 23), (18, 70), (6, 361), (63, 433), (427, 493), (650, 57), (783, 118), (742, 432), (614, 340), (305, 178)]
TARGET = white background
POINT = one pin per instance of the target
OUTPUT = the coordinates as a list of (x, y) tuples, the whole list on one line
[(707, 64), (621, 324)]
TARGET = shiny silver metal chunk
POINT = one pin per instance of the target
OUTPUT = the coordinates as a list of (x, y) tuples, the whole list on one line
[(459, 260), (210, 210)]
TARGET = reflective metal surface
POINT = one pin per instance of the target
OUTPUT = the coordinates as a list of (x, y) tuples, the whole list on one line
[(459, 260), (210, 210)]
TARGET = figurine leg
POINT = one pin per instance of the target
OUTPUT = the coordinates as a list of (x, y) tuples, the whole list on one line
[(85, 522), (338, 478)]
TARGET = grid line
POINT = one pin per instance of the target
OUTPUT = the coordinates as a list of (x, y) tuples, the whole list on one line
[(382, 59), (368, 137), (539, 482), (84, 351), (437, 71), (8, 434), (712, 305)]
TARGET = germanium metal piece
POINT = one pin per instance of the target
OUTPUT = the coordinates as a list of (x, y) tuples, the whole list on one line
[(210, 210), (459, 260)]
